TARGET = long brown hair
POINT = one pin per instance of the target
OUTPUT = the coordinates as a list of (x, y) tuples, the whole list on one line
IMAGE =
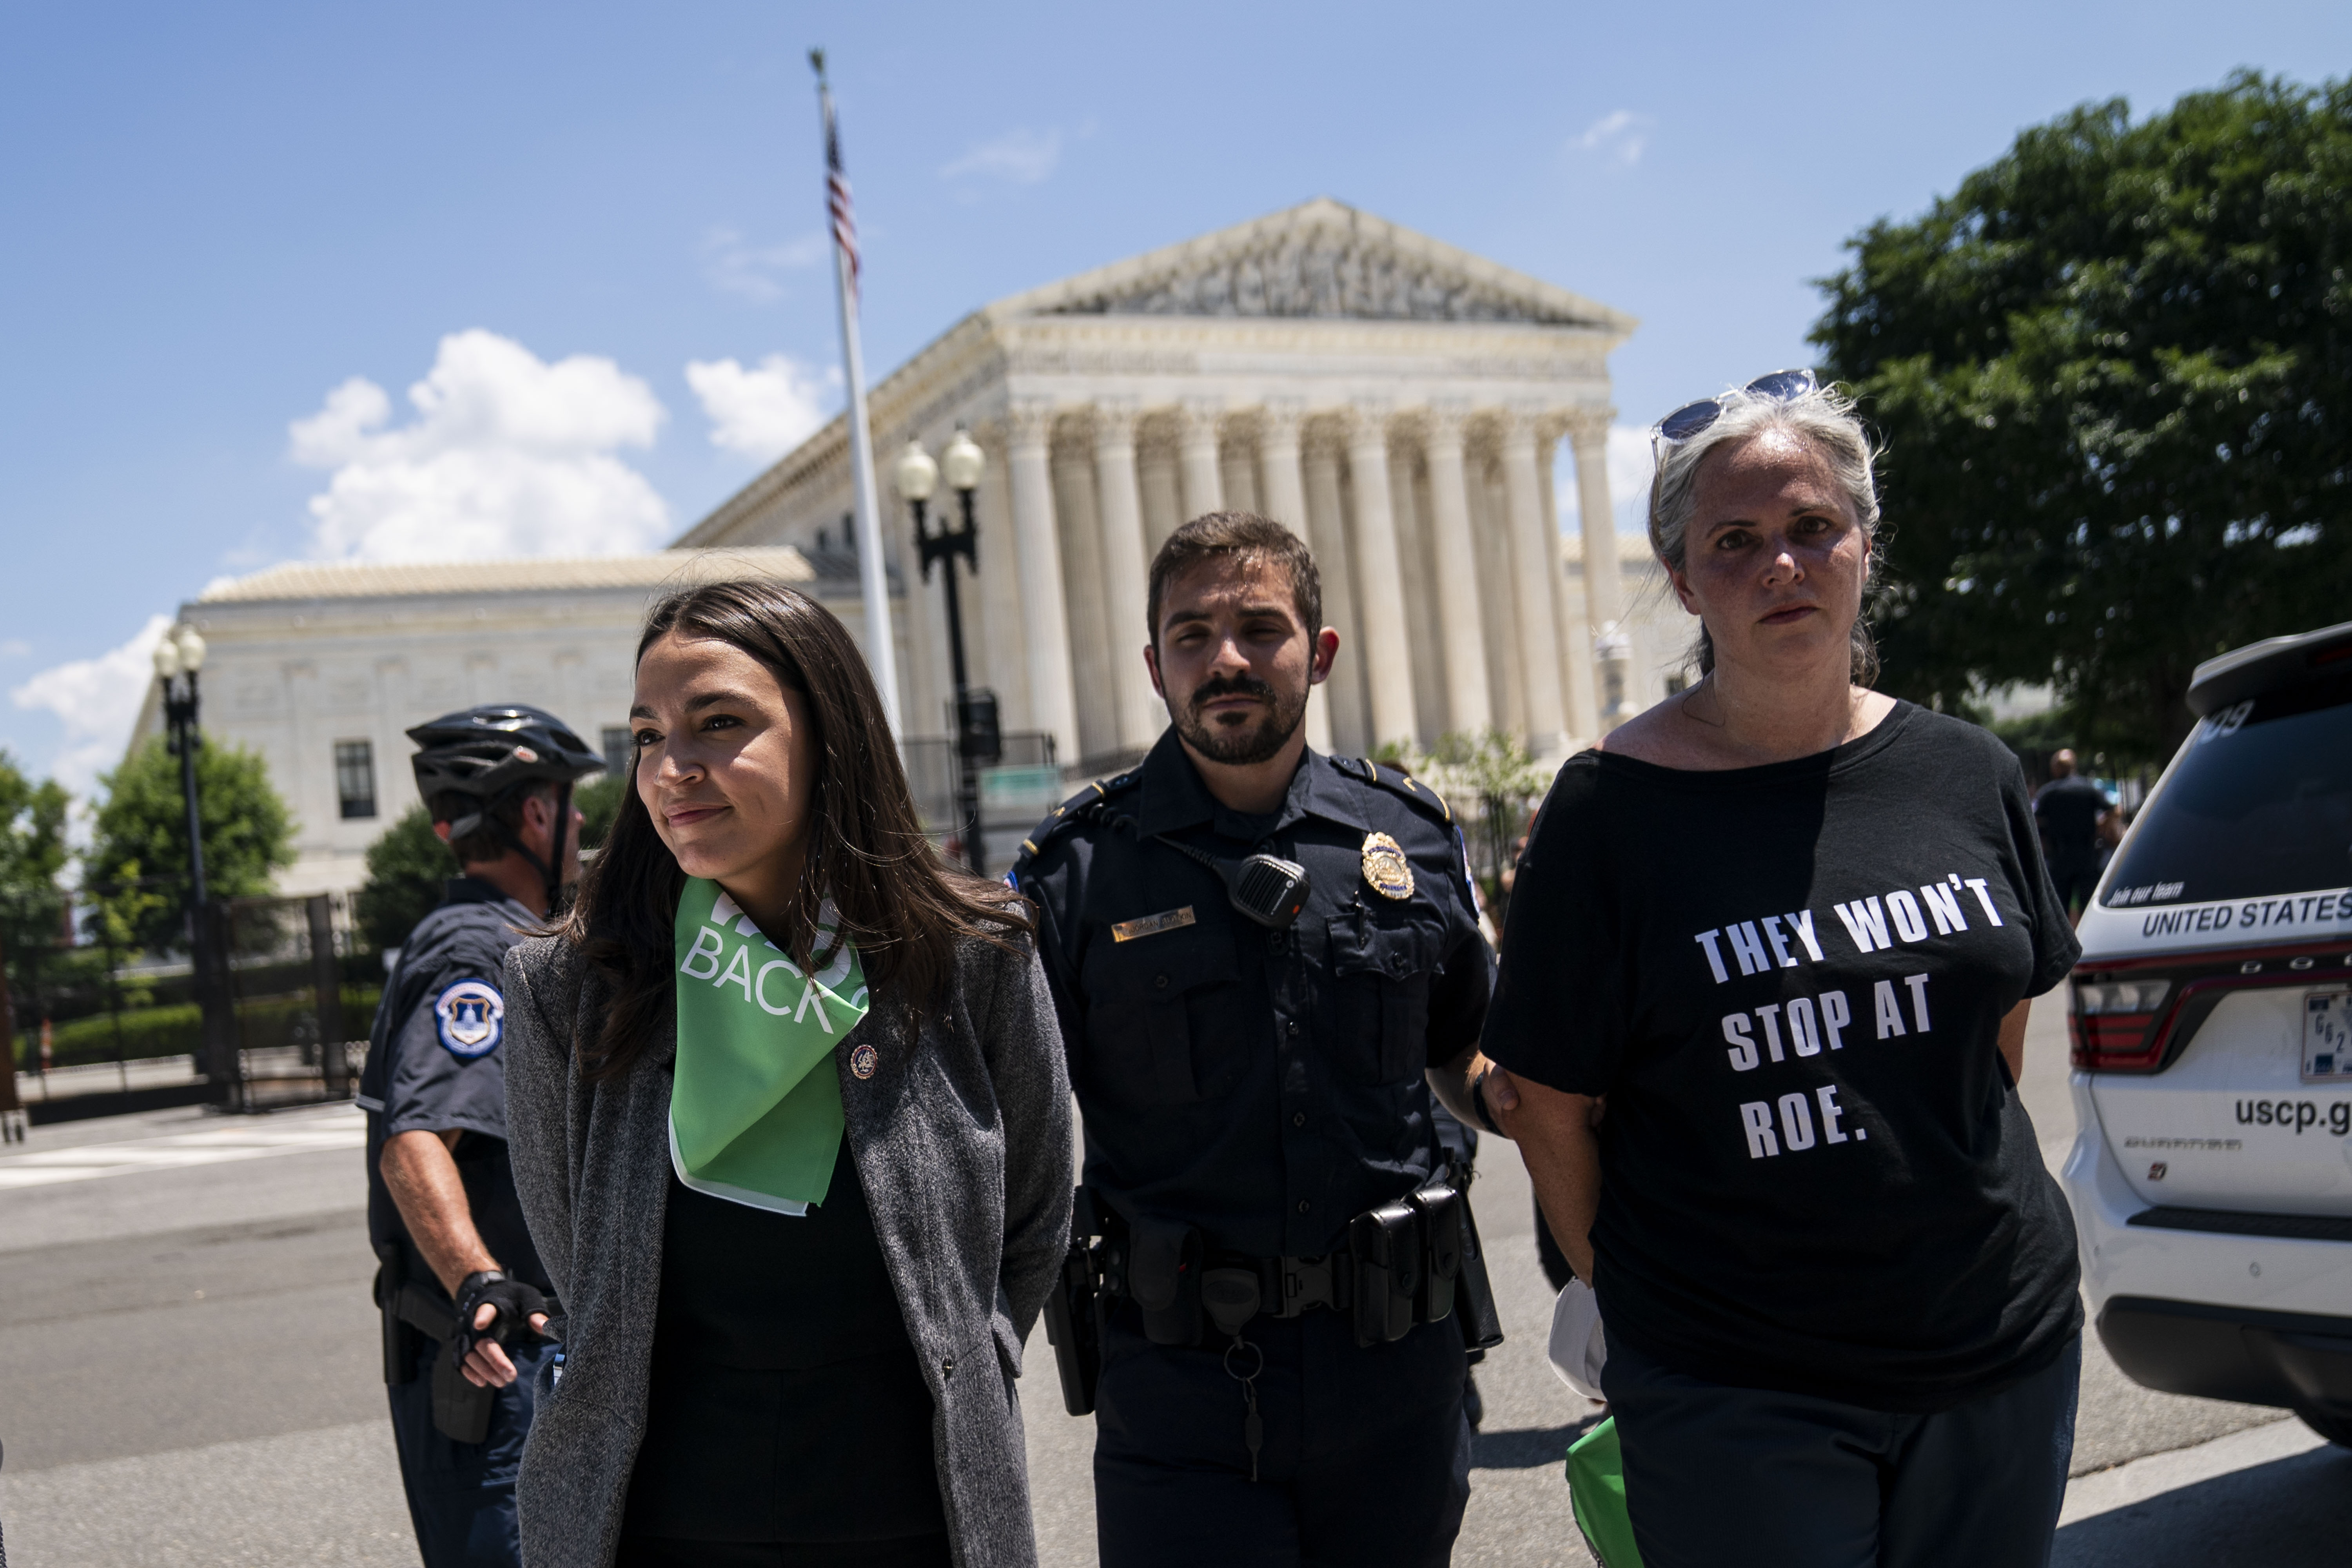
[(897, 900)]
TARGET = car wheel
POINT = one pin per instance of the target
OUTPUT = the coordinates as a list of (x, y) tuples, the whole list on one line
[(2336, 1428)]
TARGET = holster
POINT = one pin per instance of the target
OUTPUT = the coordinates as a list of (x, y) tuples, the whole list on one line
[(1074, 1310), (461, 1410), (1437, 1213), (1163, 1277), (1474, 1293), (1386, 1245)]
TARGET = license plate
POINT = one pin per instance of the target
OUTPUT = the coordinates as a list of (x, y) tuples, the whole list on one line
[(2328, 1037)]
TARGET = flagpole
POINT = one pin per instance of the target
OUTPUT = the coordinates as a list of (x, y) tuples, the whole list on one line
[(881, 646)]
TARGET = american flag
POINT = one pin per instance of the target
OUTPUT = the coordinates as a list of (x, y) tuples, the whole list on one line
[(837, 195)]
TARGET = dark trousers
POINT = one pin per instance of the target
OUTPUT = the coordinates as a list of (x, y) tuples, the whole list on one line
[(2075, 876), (1716, 1475), (654, 1551), (1366, 1459), (461, 1496)]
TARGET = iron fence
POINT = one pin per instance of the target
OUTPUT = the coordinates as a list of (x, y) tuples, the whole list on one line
[(299, 984)]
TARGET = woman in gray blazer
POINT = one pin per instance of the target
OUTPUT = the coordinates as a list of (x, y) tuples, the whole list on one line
[(791, 1127)]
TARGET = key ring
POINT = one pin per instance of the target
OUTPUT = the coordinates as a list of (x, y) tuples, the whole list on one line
[(1241, 1344)]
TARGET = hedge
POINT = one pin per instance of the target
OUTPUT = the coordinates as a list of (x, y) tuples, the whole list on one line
[(177, 1030)]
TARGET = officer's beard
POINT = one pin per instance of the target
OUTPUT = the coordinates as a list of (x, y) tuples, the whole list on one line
[(1241, 745)]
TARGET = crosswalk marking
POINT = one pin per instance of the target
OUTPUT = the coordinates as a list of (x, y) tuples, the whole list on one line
[(213, 1146)]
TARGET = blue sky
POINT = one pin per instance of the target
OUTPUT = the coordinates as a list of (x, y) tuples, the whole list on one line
[(241, 234)]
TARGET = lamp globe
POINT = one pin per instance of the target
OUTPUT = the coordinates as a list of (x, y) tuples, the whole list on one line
[(963, 461), (915, 474)]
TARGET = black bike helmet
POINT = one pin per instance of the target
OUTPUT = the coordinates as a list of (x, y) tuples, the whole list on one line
[(492, 753)]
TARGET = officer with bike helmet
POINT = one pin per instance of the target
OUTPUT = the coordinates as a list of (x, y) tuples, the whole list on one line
[(465, 1299)]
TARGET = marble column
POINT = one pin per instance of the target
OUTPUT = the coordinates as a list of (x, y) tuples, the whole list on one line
[(1078, 528), (1577, 687), (1327, 535), (1197, 454), (1588, 437), (1119, 497), (1236, 473), (1052, 697), (1282, 494), (1498, 605), (1534, 559), (1001, 654), (1388, 659), (1467, 706), (1424, 651), (1163, 503)]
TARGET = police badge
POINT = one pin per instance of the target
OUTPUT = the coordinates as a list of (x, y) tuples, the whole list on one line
[(472, 1018), (1385, 867)]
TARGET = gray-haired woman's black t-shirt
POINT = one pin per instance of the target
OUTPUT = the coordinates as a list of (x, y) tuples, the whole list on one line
[(1789, 980)]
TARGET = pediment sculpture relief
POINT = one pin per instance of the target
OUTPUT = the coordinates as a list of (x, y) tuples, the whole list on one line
[(1319, 276)]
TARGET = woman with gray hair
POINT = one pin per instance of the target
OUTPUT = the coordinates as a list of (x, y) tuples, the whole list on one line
[(1783, 929)]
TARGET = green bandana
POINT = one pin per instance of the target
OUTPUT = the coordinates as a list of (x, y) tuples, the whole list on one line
[(751, 1119)]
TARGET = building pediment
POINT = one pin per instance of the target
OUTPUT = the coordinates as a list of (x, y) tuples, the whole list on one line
[(1322, 259)]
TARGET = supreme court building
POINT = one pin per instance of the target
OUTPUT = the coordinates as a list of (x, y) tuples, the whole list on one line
[(1396, 401)]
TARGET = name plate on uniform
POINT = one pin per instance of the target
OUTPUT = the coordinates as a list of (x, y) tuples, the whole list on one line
[(1151, 925)]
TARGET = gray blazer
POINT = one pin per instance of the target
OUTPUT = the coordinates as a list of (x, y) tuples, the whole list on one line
[(963, 1139)]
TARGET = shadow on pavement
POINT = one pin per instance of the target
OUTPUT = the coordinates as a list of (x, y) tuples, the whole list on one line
[(1526, 1448), (2290, 1513)]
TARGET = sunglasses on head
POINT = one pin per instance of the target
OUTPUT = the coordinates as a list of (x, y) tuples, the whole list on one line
[(1780, 386)]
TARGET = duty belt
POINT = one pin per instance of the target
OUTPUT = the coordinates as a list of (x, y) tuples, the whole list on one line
[(1293, 1287), (1417, 1260)]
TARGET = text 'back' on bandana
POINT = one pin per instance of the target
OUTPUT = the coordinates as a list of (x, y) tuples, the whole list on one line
[(755, 1107)]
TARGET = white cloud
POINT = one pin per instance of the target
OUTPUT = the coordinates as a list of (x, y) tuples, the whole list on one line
[(1017, 157), (1629, 467), (733, 265), (1620, 134), (766, 410), (507, 455), (97, 701)]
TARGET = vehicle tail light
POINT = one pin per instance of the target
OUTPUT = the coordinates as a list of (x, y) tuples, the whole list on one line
[(2138, 1015), (2113, 1022)]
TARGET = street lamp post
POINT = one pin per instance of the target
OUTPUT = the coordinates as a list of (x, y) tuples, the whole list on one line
[(979, 741), (179, 655)]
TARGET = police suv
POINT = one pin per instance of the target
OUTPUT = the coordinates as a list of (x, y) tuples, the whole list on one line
[(2211, 1018)]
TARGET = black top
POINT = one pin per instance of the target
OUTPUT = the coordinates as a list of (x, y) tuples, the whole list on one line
[(1789, 980), (1265, 1087), (433, 1066), (2069, 810), (786, 1404)]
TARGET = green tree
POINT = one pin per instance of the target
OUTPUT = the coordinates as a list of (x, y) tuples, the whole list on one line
[(32, 905), (599, 800), (405, 869), (1491, 781), (2113, 372), (120, 911), (406, 866), (247, 831)]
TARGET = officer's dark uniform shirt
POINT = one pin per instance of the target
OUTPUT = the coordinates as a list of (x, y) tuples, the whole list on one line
[(2068, 810), (1265, 1087), (433, 1066)]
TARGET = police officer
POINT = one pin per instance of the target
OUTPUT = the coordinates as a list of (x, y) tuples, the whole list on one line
[(1256, 950), (462, 1293)]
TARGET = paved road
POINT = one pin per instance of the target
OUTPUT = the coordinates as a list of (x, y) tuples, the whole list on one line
[(189, 1376)]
